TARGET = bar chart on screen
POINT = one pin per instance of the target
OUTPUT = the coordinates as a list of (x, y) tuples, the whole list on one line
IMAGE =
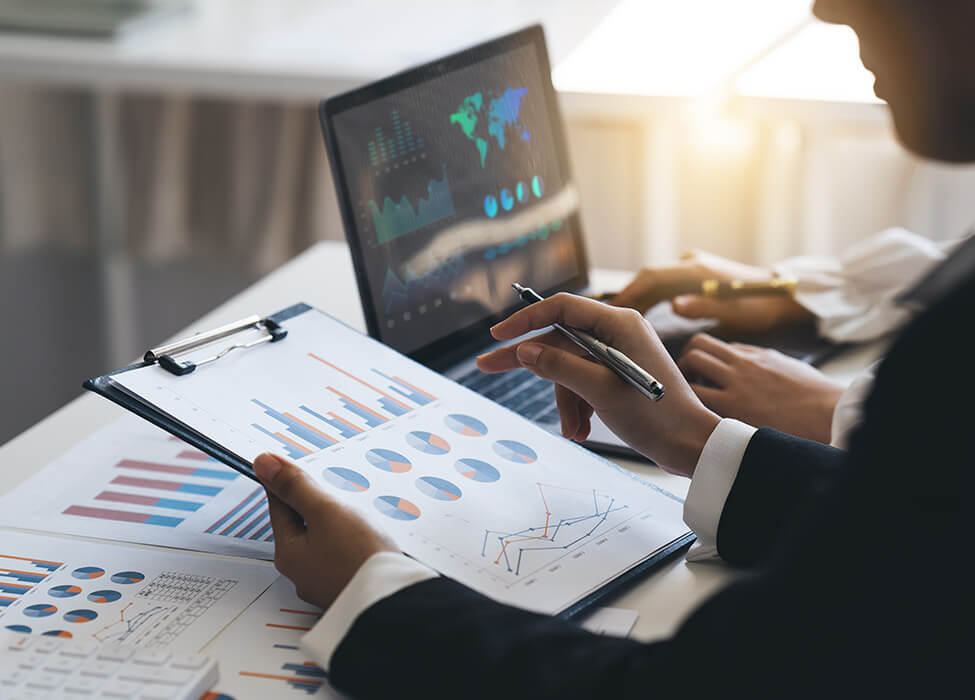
[(132, 482)]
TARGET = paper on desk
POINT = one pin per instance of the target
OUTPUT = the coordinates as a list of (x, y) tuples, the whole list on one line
[(462, 484), (613, 622), (120, 594), (259, 655), (131, 481)]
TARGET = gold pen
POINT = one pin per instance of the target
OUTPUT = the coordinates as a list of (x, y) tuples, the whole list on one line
[(721, 289)]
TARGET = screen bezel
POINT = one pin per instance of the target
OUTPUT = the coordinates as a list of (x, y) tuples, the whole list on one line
[(443, 352)]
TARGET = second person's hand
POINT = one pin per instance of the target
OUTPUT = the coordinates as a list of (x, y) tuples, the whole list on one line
[(672, 431)]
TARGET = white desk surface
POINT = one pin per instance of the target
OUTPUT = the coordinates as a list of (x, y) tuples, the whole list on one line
[(323, 277)]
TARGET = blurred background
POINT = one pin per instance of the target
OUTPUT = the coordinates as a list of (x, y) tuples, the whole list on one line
[(157, 156)]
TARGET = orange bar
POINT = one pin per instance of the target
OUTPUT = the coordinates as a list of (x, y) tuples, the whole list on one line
[(290, 679), (311, 428), (416, 388), (18, 571), (289, 440), (11, 556), (301, 612), (345, 422), (361, 381), (356, 403), (287, 627)]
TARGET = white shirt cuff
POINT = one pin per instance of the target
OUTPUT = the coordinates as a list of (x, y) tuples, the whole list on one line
[(382, 575), (714, 475)]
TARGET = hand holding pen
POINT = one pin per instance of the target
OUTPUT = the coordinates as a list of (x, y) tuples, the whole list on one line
[(671, 433)]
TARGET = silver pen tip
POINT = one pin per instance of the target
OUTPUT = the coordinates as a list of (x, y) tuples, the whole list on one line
[(517, 287)]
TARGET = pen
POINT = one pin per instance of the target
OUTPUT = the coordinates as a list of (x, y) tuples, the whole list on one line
[(624, 367), (721, 289)]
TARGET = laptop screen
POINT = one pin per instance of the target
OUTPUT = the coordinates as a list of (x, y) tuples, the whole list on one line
[(455, 183)]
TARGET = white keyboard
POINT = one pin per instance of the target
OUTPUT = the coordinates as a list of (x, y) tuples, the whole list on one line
[(33, 667)]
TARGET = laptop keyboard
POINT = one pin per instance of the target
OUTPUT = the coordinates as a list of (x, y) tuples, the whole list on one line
[(520, 390)]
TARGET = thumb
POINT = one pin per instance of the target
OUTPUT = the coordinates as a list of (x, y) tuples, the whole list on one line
[(290, 484), (591, 381)]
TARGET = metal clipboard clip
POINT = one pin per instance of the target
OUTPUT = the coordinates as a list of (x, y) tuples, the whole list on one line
[(165, 355)]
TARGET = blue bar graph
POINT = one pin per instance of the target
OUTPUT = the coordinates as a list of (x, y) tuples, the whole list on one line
[(296, 428), (404, 389), (345, 429), (13, 588), (22, 576), (393, 407), (292, 451)]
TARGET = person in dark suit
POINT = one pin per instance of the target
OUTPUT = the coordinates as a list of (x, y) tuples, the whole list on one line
[(857, 559)]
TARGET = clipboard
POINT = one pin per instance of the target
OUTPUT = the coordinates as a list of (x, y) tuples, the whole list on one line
[(168, 357), (229, 341)]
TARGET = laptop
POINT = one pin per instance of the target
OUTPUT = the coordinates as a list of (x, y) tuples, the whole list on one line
[(453, 181)]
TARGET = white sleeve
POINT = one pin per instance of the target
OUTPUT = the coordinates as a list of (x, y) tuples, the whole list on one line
[(382, 575), (849, 409), (853, 295), (714, 475)]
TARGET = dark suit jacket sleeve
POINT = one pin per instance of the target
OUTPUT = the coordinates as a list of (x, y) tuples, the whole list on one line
[(779, 476)]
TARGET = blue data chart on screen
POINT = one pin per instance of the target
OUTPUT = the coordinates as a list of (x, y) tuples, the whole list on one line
[(404, 287), (395, 218), (392, 142)]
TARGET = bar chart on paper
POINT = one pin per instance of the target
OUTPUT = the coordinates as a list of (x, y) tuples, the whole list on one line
[(111, 593), (133, 482), (259, 653)]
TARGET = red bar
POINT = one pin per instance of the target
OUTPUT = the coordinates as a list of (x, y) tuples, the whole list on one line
[(193, 454), (147, 483), (155, 467), (118, 497), (106, 514)]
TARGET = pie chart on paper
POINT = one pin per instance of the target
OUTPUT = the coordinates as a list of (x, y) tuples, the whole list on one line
[(440, 489), (515, 451), (476, 470), (388, 461), (397, 508), (67, 591), (77, 616), (106, 596), (428, 442), (125, 577), (40, 610), (88, 572), (466, 425), (345, 479)]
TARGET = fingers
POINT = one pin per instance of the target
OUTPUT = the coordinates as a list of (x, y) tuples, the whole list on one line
[(697, 306), (715, 399), (286, 523), (696, 362), (574, 412), (604, 321), (712, 346), (593, 382), (506, 359), (290, 484)]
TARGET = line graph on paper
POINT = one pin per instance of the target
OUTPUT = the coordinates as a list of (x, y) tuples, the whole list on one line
[(567, 518)]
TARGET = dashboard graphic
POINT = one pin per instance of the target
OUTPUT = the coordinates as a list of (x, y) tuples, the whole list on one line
[(384, 148), (411, 288), (502, 113), (397, 219)]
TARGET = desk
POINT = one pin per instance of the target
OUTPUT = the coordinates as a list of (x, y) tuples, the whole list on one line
[(323, 277)]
